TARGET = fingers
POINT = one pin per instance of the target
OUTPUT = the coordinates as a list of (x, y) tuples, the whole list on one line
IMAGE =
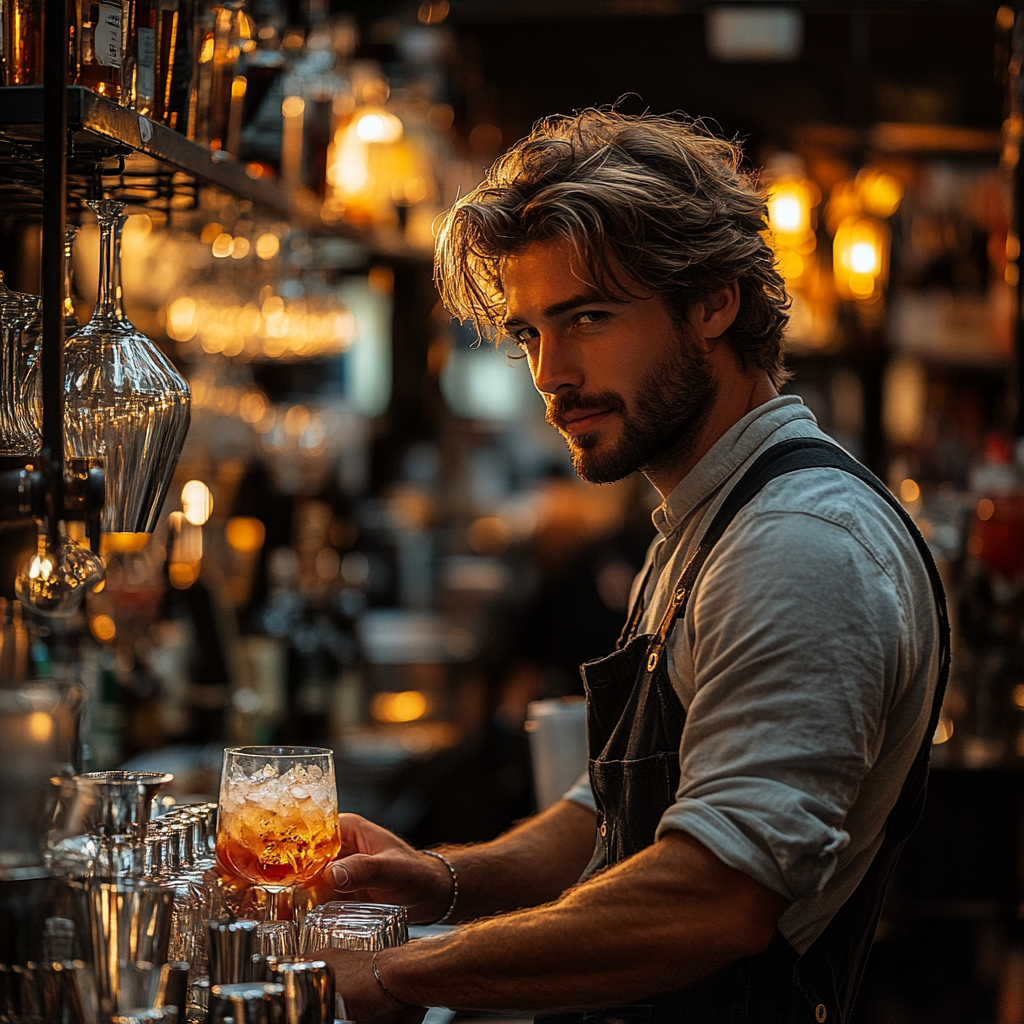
[(358, 871)]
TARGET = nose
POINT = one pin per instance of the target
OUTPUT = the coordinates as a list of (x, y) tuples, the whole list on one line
[(555, 366)]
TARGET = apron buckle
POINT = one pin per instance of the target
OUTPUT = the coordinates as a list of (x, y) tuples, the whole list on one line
[(652, 660)]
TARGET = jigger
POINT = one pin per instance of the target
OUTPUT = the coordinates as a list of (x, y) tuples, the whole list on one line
[(308, 990), (122, 800), (251, 1003), (231, 946)]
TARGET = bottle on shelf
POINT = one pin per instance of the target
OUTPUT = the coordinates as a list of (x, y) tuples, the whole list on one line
[(22, 33), (138, 68), (101, 47)]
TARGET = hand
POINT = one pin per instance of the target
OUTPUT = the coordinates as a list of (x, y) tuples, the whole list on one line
[(378, 867), (365, 1001)]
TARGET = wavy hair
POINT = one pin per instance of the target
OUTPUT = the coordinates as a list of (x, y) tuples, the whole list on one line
[(644, 199)]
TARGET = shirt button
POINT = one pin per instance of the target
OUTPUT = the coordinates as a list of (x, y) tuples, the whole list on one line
[(820, 1013)]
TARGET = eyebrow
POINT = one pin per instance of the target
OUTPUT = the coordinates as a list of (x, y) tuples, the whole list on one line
[(557, 308)]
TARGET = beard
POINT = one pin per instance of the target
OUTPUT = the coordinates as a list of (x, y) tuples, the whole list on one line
[(661, 426)]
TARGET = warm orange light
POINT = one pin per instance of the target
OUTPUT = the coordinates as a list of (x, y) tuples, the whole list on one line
[(103, 628), (293, 106), (860, 258), (210, 232), (245, 534), (405, 706), (1018, 695), (880, 193), (196, 502), (182, 574), (986, 509), (432, 13), (119, 543), (488, 535), (377, 125), (223, 245), (909, 491), (267, 246), (943, 730), (40, 726), (181, 318), (238, 84)]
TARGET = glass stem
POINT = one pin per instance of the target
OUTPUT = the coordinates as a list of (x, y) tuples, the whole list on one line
[(116, 268), (70, 317), (107, 213)]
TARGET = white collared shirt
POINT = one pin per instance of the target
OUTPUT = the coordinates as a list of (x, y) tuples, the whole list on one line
[(806, 661)]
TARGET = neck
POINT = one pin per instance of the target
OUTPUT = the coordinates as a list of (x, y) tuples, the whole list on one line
[(738, 394)]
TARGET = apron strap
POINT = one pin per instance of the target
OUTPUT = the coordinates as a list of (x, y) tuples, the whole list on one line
[(787, 457)]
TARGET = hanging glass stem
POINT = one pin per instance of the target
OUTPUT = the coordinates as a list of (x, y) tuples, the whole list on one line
[(70, 316), (107, 213), (116, 288)]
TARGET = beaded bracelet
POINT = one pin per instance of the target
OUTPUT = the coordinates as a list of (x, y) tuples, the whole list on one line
[(380, 981), (455, 884)]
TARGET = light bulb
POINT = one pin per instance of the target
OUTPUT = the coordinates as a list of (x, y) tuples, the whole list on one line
[(57, 577)]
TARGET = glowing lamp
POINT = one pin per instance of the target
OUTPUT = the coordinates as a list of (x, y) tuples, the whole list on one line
[(860, 258)]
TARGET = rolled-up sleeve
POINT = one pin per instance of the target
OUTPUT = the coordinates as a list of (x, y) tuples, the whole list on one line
[(795, 643)]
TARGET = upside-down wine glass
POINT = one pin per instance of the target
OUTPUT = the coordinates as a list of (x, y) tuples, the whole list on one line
[(277, 825), (125, 402)]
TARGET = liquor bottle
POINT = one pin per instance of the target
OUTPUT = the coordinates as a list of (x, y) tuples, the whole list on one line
[(102, 48), (181, 75), (23, 41), (167, 26), (139, 66)]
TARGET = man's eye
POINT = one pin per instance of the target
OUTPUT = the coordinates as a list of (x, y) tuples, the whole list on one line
[(524, 336), (592, 316)]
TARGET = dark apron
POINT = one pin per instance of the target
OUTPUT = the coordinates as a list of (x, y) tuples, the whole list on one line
[(635, 725)]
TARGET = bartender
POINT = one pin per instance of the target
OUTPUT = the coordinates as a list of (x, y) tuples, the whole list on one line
[(759, 738)]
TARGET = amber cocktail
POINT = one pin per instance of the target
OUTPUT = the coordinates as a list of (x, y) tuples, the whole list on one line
[(278, 820)]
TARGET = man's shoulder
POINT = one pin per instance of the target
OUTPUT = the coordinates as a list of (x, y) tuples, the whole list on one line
[(818, 505)]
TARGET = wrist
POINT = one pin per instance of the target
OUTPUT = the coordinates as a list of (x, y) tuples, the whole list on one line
[(382, 984), (452, 887)]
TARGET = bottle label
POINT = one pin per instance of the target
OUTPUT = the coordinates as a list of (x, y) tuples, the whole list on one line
[(107, 36), (145, 83)]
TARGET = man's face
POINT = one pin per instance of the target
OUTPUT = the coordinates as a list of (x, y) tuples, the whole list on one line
[(623, 383)]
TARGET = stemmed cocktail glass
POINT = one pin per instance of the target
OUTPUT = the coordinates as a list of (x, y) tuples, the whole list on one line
[(278, 820)]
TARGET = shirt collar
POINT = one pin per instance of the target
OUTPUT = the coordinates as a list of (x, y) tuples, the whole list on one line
[(724, 457)]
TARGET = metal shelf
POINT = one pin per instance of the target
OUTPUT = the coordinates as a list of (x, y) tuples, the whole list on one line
[(152, 165)]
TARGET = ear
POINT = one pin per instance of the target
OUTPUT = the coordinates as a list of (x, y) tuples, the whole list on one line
[(712, 317)]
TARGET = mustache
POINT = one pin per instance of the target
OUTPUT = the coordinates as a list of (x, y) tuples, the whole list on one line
[(574, 401)]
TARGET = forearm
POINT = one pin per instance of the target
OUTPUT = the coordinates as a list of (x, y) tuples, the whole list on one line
[(533, 863), (659, 921)]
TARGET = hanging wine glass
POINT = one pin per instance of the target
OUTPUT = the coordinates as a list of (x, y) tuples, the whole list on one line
[(19, 353), (125, 402), (71, 323), (57, 577)]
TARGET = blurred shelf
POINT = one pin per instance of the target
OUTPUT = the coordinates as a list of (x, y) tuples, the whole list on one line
[(896, 139), (154, 165)]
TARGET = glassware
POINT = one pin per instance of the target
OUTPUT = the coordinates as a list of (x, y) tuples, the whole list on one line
[(248, 1003), (19, 416), (56, 578), (100, 51), (125, 927), (97, 823), (308, 989), (125, 402), (365, 926), (276, 938), (278, 819), (71, 323)]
